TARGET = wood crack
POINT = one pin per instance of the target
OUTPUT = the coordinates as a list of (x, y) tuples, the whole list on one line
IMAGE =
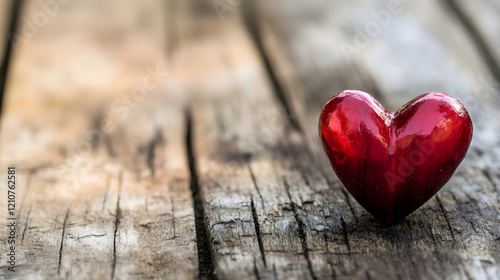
[(460, 208), (106, 191), (256, 186), (488, 176), (446, 218), (206, 261), (23, 198), (151, 151), (258, 233), (346, 235), (251, 24), (62, 242), (26, 225), (346, 196), (90, 235), (255, 270), (118, 215), (302, 231)]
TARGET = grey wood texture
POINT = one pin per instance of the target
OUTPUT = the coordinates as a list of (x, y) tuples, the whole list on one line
[(178, 139)]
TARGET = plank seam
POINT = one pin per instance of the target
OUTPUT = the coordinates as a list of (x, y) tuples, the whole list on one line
[(206, 260), (256, 186), (4, 67), (249, 19)]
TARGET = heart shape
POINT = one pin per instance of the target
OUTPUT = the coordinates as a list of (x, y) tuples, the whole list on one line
[(393, 163)]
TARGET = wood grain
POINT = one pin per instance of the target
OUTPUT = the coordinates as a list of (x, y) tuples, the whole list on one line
[(215, 170), (98, 138), (237, 128)]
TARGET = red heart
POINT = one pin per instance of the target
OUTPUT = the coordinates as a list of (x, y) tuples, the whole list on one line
[(393, 163)]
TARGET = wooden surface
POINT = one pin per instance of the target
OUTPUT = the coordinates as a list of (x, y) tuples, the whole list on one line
[(178, 140)]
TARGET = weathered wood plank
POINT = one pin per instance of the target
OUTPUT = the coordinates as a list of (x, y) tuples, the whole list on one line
[(266, 204), (97, 134), (408, 57), (236, 123)]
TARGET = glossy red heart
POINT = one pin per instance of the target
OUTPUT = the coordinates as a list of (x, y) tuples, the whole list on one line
[(393, 163)]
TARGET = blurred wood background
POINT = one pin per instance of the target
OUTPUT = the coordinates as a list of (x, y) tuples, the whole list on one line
[(177, 139)]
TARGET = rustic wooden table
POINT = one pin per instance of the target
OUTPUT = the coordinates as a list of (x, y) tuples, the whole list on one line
[(178, 139)]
